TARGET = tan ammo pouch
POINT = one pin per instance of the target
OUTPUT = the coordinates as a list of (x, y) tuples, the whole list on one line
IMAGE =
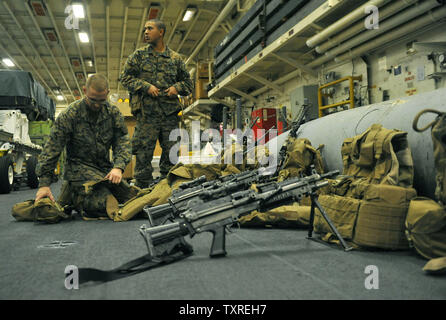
[(342, 211), (381, 217), (43, 210), (288, 216), (426, 227), (379, 155)]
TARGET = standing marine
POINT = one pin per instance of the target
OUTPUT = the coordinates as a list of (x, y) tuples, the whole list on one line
[(154, 75)]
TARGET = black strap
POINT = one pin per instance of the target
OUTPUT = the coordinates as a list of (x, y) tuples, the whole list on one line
[(141, 264)]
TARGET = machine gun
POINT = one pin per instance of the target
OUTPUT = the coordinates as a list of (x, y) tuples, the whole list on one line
[(295, 125), (200, 188), (203, 215)]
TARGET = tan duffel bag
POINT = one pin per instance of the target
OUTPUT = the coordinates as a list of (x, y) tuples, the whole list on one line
[(288, 216), (426, 227), (43, 210)]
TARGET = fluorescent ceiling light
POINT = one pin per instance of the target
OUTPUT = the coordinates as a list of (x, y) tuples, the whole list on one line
[(60, 97), (83, 36), (78, 10), (89, 62), (8, 62), (190, 12)]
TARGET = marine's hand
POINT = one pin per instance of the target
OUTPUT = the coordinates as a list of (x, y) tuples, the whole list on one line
[(44, 192), (153, 91), (172, 91), (115, 175)]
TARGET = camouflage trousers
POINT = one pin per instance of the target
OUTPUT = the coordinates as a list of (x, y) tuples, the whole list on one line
[(93, 203), (150, 128), (73, 195)]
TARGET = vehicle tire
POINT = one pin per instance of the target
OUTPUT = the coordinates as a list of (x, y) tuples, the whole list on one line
[(32, 179), (6, 174)]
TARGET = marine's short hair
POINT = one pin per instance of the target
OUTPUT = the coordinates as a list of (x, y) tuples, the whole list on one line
[(98, 82), (159, 24)]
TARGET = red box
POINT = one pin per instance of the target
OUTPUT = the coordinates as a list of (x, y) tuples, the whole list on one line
[(280, 127), (267, 120)]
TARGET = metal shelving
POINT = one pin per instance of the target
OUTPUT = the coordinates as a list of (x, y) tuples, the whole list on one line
[(283, 59)]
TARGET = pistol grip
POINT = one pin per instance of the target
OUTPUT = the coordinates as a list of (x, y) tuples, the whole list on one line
[(218, 248)]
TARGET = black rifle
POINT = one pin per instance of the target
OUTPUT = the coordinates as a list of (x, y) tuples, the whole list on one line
[(202, 215)]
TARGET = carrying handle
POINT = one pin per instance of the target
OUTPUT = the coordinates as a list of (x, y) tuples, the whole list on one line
[(417, 117)]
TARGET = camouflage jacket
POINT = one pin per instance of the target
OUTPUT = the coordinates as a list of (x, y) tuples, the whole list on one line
[(145, 67), (87, 143)]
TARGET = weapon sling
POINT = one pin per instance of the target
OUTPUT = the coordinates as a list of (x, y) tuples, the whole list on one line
[(141, 264)]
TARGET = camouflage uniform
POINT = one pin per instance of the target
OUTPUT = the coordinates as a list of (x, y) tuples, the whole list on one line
[(156, 117), (88, 138)]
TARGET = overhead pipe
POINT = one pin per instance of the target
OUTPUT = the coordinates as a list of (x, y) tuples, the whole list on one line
[(189, 30), (343, 23), (67, 59), (420, 23), (366, 36), (385, 26), (107, 34), (87, 10), (226, 10), (141, 26), (79, 51), (354, 30), (50, 51), (175, 27)]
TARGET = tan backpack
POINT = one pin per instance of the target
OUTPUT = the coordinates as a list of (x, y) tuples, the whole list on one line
[(43, 210), (438, 132), (300, 156), (426, 219), (426, 227)]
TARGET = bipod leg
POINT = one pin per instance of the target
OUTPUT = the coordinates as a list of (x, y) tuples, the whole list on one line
[(311, 228), (315, 204)]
